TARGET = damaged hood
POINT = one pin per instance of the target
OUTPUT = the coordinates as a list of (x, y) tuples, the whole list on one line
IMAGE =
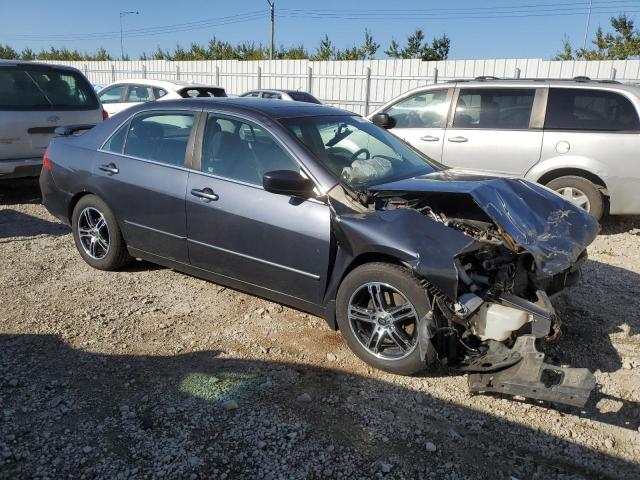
[(538, 220)]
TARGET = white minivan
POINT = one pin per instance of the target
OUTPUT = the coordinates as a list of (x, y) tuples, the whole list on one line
[(35, 98), (578, 137)]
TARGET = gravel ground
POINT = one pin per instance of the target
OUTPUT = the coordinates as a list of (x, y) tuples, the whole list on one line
[(149, 373)]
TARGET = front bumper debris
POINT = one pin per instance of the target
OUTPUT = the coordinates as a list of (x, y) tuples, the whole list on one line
[(533, 378)]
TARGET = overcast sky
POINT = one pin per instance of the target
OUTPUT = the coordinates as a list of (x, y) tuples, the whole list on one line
[(523, 28)]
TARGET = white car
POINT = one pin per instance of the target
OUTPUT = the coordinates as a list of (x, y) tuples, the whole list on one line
[(123, 94)]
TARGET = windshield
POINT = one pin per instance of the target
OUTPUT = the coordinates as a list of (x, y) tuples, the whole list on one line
[(358, 152)]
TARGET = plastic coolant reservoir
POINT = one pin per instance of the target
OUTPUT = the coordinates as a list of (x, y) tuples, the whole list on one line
[(496, 322)]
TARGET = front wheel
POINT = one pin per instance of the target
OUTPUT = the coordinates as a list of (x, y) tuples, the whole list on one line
[(97, 235), (379, 306)]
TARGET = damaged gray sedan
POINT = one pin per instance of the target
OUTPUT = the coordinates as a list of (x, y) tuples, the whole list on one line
[(322, 210)]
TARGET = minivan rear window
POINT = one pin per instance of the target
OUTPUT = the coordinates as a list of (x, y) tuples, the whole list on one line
[(593, 110), (45, 89)]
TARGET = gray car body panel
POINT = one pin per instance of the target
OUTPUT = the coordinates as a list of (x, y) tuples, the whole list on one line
[(290, 250)]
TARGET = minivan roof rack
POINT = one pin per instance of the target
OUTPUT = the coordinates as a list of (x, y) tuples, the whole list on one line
[(579, 78)]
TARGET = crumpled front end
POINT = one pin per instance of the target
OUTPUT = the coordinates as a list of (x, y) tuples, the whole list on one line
[(489, 253)]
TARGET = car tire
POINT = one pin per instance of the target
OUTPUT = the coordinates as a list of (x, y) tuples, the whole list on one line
[(357, 333), (97, 235), (574, 187)]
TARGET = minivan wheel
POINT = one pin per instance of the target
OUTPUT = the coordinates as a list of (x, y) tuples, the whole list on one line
[(97, 235), (379, 306), (581, 192)]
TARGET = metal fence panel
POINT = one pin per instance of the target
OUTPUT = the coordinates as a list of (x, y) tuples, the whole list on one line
[(352, 85)]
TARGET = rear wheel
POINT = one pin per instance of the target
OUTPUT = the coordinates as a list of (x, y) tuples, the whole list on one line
[(379, 306), (97, 235), (581, 192)]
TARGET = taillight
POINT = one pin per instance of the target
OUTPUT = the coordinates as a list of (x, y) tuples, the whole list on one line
[(105, 114), (46, 161)]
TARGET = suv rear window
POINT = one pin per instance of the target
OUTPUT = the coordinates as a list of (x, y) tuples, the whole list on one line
[(583, 109), (45, 89), (303, 97), (200, 92)]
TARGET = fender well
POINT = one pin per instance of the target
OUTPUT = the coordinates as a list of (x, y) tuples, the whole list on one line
[(576, 172)]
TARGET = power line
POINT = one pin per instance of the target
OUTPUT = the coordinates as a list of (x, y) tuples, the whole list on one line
[(158, 30), (550, 13)]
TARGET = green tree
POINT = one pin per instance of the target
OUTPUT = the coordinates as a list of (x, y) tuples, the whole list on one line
[(7, 52), (622, 43), (418, 47), (326, 50)]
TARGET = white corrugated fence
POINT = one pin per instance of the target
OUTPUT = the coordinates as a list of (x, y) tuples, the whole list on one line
[(359, 85)]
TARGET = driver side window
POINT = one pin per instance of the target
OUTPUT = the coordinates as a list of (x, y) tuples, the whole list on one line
[(241, 151), (426, 109)]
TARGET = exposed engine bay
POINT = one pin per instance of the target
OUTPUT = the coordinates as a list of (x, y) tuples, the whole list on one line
[(488, 322)]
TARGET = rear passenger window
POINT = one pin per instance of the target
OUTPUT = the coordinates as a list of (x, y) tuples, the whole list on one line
[(138, 93), (161, 137), (423, 110), (508, 109), (116, 142), (159, 92), (582, 109), (242, 151)]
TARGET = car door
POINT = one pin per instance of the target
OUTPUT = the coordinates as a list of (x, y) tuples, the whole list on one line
[(238, 230), (141, 174), (421, 120), (497, 130), (112, 98)]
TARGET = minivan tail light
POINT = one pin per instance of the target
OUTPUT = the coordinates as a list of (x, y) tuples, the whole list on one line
[(105, 114), (46, 161)]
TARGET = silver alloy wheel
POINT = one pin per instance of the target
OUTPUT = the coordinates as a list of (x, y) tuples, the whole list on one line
[(575, 196), (93, 233), (383, 320)]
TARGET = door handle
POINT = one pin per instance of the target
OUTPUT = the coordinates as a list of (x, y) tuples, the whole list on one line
[(206, 194), (111, 169), (458, 139), (429, 138)]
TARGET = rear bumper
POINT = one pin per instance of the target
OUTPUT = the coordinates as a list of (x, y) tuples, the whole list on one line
[(23, 167), (55, 200)]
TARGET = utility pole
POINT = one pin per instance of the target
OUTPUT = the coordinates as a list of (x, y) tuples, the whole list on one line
[(124, 14), (586, 32), (272, 6)]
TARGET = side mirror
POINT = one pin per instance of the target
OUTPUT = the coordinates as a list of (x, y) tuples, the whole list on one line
[(384, 120), (287, 182)]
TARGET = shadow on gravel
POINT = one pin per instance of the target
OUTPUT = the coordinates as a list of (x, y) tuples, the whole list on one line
[(13, 192), (18, 224), (620, 224), (606, 302), (69, 413)]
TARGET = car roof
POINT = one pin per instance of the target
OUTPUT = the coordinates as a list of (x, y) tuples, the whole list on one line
[(174, 85), (271, 108), (40, 65)]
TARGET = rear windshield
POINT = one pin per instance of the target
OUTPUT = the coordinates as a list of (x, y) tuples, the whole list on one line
[(303, 97), (45, 89), (202, 92)]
